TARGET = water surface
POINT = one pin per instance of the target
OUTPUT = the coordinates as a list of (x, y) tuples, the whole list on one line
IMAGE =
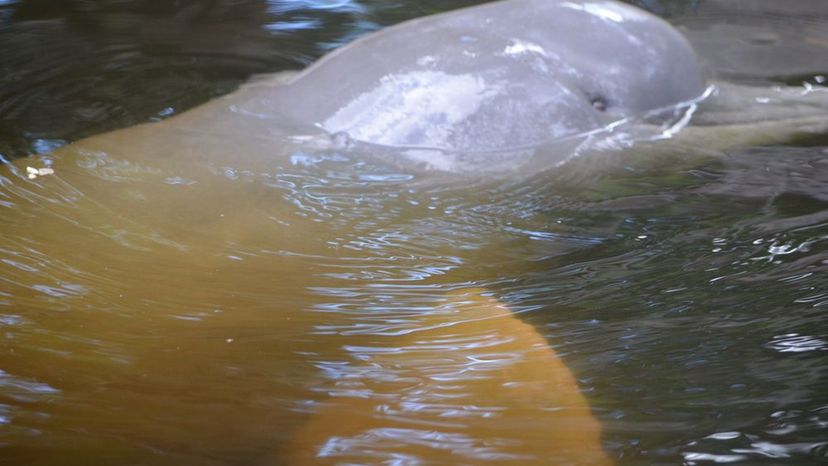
[(200, 307)]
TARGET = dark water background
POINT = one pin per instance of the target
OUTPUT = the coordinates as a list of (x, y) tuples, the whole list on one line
[(689, 298)]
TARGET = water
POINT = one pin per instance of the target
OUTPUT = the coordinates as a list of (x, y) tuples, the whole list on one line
[(192, 301)]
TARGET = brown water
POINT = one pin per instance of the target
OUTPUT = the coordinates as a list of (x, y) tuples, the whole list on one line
[(175, 297)]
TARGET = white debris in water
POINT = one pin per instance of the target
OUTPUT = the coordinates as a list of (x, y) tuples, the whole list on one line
[(33, 173)]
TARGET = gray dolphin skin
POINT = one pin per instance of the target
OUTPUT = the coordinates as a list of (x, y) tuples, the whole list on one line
[(492, 77), (506, 86)]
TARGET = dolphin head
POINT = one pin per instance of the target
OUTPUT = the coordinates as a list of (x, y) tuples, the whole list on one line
[(505, 74)]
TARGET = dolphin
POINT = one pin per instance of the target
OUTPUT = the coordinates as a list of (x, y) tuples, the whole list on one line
[(492, 77), (488, 88), (492, 88), (485, 82)]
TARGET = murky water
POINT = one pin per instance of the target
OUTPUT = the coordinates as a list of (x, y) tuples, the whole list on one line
[(175, 298)]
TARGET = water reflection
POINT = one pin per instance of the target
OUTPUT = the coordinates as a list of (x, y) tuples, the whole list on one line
[(796, 343), (340, 6)]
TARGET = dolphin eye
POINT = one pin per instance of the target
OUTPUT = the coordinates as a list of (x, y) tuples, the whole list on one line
[(598, 103)]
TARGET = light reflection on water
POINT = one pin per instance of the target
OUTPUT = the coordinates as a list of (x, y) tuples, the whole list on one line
[(206, 309)]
